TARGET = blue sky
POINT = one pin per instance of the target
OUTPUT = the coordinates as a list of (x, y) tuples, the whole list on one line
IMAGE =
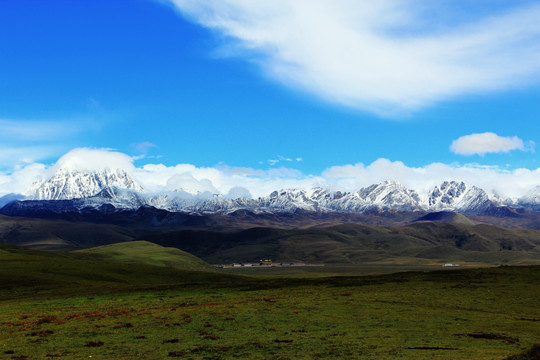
[(296, 84)]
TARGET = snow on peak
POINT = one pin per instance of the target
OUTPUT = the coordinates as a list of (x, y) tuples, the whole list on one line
[(68, 184), (288, 200), (531, 199), (453, 195), (390, 194), (532, 196)]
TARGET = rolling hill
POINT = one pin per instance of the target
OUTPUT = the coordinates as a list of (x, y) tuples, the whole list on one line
[(144, 252), (31, 273)]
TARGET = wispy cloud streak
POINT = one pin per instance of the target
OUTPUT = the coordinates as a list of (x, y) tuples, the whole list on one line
[(389, 56), (38, 130)]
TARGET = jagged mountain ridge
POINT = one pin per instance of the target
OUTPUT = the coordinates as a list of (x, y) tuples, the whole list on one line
[(93, 189)]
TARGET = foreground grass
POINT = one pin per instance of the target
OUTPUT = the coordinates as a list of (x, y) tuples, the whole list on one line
[(464, 314)]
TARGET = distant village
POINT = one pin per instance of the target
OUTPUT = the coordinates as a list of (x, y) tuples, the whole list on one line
[(265, 263)]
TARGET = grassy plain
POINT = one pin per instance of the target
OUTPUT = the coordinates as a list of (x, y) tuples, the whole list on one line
[(58, 305)]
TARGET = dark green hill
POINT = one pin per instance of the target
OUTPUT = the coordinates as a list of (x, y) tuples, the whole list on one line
[(32, 272), (144, 252)]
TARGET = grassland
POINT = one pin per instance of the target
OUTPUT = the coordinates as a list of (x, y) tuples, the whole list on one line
[(64, 305)]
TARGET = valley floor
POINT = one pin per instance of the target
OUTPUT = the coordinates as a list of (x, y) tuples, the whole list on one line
[(326, 270), (478, 314)]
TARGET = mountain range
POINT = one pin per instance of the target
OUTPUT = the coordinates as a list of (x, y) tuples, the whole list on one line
[(76, 209), (74, 190)]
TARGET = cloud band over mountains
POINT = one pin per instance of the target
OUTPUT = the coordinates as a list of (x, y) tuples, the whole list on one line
[(236, 181), (387, 56)]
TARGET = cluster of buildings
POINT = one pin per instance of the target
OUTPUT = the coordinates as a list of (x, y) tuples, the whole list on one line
[(265, 263)]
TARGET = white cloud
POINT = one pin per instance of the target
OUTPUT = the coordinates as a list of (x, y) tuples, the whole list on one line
[(386, 56), (21, 179), (238, 192), (87, 159), (222, 179), (246, 182), (488, 142), (188, 183)]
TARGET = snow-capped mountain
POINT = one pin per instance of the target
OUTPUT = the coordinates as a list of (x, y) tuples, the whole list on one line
[(116, 196), (390, 195), (200, 204), (457, 196), (531, 199), (93, 189), (288, 201), (119, 190), (68, 184)]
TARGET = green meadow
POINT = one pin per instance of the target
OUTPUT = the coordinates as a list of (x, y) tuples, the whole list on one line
[(112, 304)]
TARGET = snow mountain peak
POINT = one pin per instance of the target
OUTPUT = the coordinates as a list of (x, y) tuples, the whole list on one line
[(390, 194), (67, 184), (453, 195)]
